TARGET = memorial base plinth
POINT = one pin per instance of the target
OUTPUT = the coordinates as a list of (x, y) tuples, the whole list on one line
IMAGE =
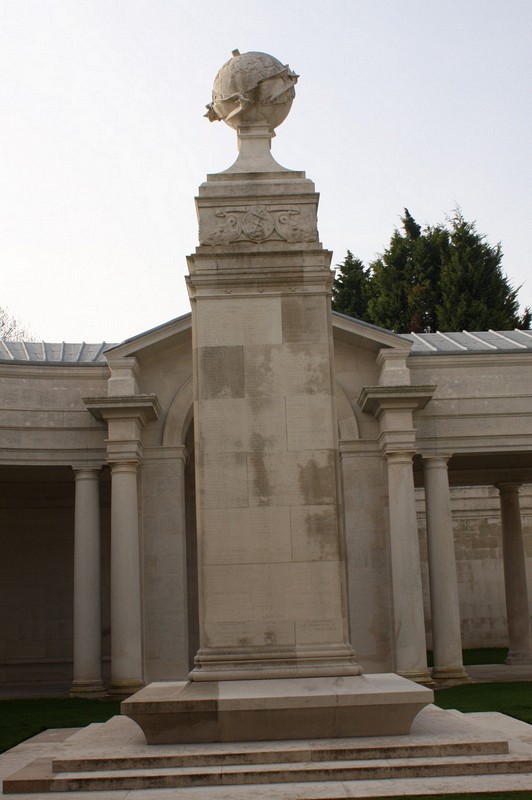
[(263, 710)]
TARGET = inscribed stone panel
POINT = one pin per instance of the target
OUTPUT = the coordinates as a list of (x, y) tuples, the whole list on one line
[(287, 370), (281, 592), (304, 319), (238, 425), (247, 535), (314, 531), (291, 478), (312, 590), (325, 631), (248, 592), (309, 421), (248, 320), (249, 634), (223, 481), (221, 372)]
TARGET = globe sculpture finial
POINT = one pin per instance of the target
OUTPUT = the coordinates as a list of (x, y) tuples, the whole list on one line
[(253, 93)]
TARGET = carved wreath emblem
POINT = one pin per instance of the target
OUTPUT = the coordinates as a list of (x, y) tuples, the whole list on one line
[(257, 224)]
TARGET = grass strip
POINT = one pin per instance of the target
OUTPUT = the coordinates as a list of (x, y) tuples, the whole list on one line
[(514, 699), (481, 655), (475, 796)]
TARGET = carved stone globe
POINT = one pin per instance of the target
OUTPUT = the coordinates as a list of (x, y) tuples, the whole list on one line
[(252, 88)]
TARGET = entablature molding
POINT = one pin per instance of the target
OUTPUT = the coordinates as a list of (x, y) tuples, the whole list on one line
[(158, 453), (124, 451), (398, 441), (423, 361)]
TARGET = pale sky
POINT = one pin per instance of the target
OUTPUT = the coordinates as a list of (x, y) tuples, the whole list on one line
[(417, 103)]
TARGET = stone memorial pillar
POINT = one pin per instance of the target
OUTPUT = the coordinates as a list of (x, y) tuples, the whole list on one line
[(272, 585), (275, 660)]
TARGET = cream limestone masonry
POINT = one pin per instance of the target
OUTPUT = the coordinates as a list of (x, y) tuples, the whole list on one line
[(266, 435)]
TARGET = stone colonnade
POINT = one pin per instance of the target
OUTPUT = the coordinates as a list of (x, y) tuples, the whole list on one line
[(126, 649), (393, 406)]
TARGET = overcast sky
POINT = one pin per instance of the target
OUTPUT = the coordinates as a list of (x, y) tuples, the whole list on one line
[(417, 103)]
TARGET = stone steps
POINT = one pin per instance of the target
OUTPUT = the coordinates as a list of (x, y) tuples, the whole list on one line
[(40, 775), (443, 746), (280, 752)]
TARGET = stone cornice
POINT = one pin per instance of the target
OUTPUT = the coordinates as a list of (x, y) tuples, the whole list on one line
[(375, 399), (466, 360), (141, 406)]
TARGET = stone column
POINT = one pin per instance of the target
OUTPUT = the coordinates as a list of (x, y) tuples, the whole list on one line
[(409, 623), (515, 582), (393, 405), (445, 607), (126, 416), (87, 588), (126, 644)]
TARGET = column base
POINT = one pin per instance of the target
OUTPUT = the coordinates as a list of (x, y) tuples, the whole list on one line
[(249, 664), (450, 675), (81, 688), (518, 658), (125, 688), (422, 676)]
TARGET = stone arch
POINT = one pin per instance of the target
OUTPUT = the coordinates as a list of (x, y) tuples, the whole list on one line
[(347, 422), (179, 416)]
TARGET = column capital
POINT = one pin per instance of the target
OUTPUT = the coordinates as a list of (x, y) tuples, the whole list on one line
[(394, 456), (84, 471), (435, 460), (508, 487), (124, 466)]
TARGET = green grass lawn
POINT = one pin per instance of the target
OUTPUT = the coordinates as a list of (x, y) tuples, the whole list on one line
[(21, 719), (514, 699), (476, 796)]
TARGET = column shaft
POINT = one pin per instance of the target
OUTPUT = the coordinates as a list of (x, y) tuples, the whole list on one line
[(410, 646), (126, 647), (87, 585), (515, 581), (445, 608)]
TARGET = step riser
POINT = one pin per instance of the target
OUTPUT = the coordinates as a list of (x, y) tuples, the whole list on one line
[(228, 759), (384, 772)]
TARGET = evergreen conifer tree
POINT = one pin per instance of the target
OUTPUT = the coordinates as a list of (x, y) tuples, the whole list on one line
[(406, 278), (352, 288), (475, 293), (445, 277)]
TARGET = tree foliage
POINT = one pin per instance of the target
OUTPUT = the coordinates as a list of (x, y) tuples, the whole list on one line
[(11, 329), (352, 288), (442, 277)]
